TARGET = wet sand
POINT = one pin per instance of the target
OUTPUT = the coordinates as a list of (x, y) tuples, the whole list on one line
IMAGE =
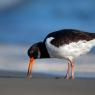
[(46, 86)]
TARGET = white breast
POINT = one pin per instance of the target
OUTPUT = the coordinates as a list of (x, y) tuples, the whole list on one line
[(70, 50)]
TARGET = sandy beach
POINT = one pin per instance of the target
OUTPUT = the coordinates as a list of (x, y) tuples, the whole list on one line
[(46, 86), (13, 69)]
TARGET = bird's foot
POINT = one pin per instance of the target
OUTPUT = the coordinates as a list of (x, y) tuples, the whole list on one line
[(29, 76), (67, 77), (72, 78)]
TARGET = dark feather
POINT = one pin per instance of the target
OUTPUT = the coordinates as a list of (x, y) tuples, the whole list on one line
[(67, 36)]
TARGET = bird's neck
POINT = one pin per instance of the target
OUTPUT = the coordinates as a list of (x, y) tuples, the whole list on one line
[(43, 50)]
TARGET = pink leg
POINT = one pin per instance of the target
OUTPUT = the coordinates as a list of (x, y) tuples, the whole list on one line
[(68, 71), (72, 69)]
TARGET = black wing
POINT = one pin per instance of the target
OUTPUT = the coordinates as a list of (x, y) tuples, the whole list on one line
[(69, 35)]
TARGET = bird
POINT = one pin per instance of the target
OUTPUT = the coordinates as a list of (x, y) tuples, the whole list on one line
[(63, 44)]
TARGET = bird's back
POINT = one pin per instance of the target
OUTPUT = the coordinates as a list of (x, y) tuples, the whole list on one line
[(67, 36)]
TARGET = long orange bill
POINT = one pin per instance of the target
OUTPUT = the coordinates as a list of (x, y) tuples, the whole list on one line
[(30, 66)]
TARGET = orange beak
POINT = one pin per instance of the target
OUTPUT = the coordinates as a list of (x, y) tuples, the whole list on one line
[(30, 66)]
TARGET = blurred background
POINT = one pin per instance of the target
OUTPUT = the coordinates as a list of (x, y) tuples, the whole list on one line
[(24, 22)]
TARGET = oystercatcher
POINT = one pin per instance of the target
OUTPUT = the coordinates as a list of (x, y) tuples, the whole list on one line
[(66, 43)]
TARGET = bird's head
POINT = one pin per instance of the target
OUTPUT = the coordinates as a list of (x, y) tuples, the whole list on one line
[(34, 51)]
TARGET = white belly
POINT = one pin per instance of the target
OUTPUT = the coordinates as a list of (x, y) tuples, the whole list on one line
[(70, 50)]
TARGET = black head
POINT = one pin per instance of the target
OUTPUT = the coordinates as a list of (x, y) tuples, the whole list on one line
[(34, 50)]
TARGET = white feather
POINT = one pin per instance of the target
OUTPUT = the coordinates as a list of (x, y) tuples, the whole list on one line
[(71, 50)]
